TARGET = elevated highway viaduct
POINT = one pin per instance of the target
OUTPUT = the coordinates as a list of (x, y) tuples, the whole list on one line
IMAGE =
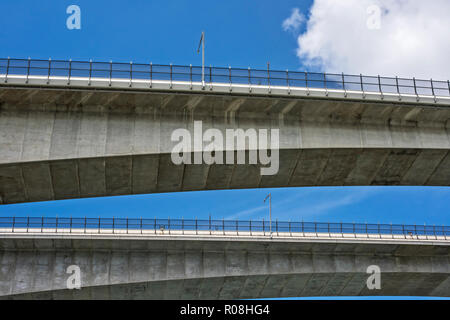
[(63, 139), (216, 266)]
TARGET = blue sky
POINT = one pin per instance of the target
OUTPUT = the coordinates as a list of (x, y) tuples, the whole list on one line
[(238, 33)]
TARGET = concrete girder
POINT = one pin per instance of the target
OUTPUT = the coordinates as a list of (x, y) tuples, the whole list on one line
[(61, 144), (218, 268)]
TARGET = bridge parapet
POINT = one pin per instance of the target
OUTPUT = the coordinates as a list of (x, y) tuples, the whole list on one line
[(68, 73)]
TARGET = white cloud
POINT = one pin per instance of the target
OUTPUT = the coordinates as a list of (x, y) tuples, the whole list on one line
[(412, 38), (246, 213), (294, 22), (309, 204), (320, 207), (250, 213)]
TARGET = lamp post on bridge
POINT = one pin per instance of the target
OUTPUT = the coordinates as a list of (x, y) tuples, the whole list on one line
[(202, 43), (270, 212)]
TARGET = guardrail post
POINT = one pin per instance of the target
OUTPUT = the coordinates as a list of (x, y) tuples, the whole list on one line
[(110, 72), (49, 68), (190, 74), (13, 224), (448, 84), (99, 224), (276, 226), (249, 82), (151, 73), (209, 224), (85, 224), (155, 225), (141, 225), (8, 63), (56, 224), (127, 224), (70, 71), (230, 79), (415, 88), (432, 88), (379, 87), (303, 228), (362, 85), (70, 231), (168, 224), (28, 69), (90, 72), (171, 76), (379, 232), (398, 89), (287, 79), (325, 83), (434, 231), (264, 229), (237, 228), (342, 232), (196, 226), (306, 82), (250, 227), (182, 225), (223, 226), (131, 73), (42, 224), (290, 232), (28, 223), (444, 233), (113, 225), (210, 77), (329, 233), (343, 85)]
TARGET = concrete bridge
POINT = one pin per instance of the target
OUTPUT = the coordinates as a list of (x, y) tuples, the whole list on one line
[(75, 136), (211, 265), (67, 137)]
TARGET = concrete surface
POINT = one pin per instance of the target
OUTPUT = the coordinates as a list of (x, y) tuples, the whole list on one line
[(34, 266), (66, 143)]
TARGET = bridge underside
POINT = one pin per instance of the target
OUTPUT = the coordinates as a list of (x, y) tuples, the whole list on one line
[(139, 174), (153, 267), (65, 143), (256, 287)]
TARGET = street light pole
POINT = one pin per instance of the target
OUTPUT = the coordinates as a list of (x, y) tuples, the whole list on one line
[(202, 43), (270, 212)]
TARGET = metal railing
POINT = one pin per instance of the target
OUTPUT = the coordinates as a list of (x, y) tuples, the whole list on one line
[(138, 71), (260, 227)]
